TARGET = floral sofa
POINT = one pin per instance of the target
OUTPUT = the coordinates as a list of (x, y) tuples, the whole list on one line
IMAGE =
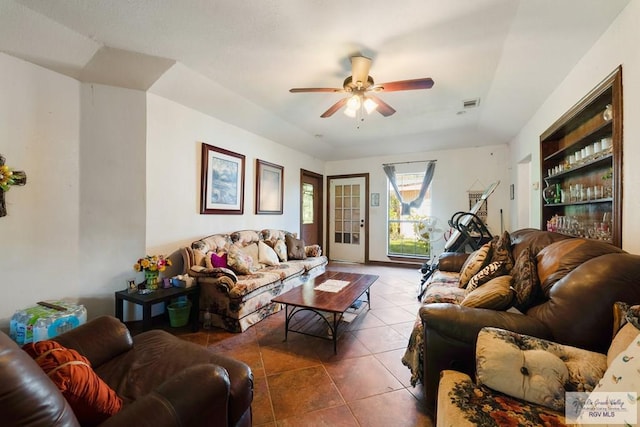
[(240, 272), (532, 282), (523, 381)]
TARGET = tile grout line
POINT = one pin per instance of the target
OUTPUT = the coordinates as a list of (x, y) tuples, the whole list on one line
[(266, 379), (341, 396)]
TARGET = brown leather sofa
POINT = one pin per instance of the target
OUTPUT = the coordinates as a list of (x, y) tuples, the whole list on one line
[(162, 380), (575, 310)]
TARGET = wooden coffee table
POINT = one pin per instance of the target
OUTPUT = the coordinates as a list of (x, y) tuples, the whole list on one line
[(307, 298)]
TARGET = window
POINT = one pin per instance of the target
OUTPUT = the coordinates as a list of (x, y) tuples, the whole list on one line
[(403, 237), (307, 203)]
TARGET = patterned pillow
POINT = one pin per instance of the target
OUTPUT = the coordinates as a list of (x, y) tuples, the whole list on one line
[(313, 250), (525, 281), (295, 248), (623, 375), (267, 255), (239, 261), (491, 271), (502, 251), (281, 249), (626, 327), (476, 262), (511, 363), (252, 250), (623, 313), (496, 294), (531, 374)]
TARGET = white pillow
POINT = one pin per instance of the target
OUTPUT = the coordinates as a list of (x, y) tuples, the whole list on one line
[(266, 255), (622, 376)]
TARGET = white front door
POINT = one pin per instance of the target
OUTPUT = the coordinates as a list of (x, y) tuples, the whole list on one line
[(347, 213)]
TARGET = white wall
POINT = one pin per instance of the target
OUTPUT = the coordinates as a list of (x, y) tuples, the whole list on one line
[(112, 174), (618, 45), (175, 134), (457, 171), (112, 192), (39, 237)]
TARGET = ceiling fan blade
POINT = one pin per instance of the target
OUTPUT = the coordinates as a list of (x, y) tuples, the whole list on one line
[(315, 89), (383, 108), (425, 83), (335, 107), (360, 67)]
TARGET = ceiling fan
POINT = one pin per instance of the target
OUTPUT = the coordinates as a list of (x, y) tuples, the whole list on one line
[(360, 87)]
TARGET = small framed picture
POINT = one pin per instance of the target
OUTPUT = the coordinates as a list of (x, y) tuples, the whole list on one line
[(375, 199), (131, 286), (269, 188)]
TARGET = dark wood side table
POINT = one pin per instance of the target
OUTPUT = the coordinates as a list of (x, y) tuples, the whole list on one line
[(155, 297)]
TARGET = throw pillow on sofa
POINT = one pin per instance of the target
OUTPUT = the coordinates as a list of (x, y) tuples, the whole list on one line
[(502, 251), (281, 249), (253, 251), (534, 369), (491, 271), (496, 294), (267, 255), (295, 248), (313, 250), (622, 376), (476, 262), (239, 261), (533, 375), (91, 399), (525, 281), (217, 260), (626, 327)]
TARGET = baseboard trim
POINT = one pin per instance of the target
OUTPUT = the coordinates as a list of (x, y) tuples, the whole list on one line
[(397, 263)]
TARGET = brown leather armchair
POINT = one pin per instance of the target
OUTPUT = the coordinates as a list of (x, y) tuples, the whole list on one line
[(575, 310), (162, 380)]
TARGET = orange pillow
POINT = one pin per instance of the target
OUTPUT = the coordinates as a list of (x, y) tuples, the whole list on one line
[(91, 399)]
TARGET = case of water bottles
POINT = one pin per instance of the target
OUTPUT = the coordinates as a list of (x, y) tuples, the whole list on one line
[(46, 320)]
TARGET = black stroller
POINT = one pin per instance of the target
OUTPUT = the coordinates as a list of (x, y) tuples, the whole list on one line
[(469, 234)]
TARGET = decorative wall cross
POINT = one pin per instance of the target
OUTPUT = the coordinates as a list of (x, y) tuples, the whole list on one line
[(7, 179)]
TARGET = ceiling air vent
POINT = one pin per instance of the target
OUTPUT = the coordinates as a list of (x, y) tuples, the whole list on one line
[(471, 103)]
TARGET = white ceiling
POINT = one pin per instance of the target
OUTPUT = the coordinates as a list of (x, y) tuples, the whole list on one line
[(236, 60)]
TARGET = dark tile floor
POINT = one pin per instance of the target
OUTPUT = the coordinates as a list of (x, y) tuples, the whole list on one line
[(302, 383)]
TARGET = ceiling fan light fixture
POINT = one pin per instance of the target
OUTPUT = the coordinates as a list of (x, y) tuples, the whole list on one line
[(349, 112), (370, 105), (354, 102)]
